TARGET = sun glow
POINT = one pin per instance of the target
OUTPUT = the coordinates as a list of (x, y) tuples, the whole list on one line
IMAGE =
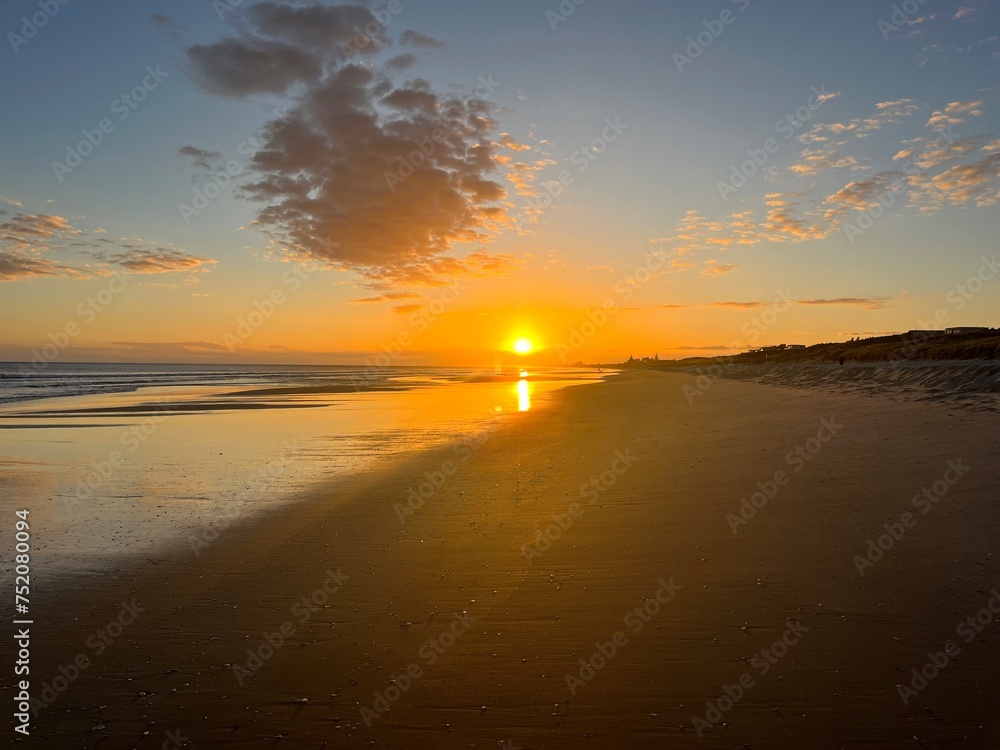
[(523, 346)]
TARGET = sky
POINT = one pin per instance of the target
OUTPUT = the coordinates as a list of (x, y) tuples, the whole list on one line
[(425, 182)]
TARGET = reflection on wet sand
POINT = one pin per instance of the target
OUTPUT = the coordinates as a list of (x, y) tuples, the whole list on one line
[(523, 395), (125, 473)]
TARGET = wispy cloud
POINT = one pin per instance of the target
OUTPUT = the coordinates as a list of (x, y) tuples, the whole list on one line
[(868, 303), (720, 270), (387, 297), (25, 239), (886, 113)]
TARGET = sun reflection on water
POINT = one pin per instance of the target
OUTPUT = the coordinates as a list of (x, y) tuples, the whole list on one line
[(523, 395)]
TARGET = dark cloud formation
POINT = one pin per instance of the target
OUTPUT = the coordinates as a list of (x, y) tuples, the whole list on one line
[(165, 25), (365, 173), (199, 156), (401, 62), (418, 40), (238, 68)]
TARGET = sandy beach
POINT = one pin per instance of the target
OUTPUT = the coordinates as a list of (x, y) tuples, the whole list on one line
[(586, 576)]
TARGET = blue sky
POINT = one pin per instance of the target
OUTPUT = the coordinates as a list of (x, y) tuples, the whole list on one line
[(685, 130)]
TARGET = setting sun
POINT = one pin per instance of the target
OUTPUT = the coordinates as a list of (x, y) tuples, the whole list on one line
[(523, 346)]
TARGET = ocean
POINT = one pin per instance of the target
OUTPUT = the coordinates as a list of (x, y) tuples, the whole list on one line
[(122, 460)]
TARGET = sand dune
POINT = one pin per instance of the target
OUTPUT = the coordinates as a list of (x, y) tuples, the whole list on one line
[(973, 383)]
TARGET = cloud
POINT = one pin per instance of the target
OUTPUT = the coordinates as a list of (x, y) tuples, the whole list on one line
[(782, 222), (507, 141), (967, 11), (738, 305), (866, 193), (171, 346), (783, 225), (815, 161), (165, 25), (869, 303), (283, 45), (25, 238), (954, 114), (407, 309), (26, 229), (421, 41), (524, 175), (161, 260), (718, 348), (388, 296), (401, 62), (886, 113), (975, 182), (15, 266), (365, 173), (238, 68), (719, 270), (199, 156), (937, 152)]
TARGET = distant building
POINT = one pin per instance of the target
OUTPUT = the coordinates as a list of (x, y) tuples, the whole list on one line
[(965, 329), (796, 346)]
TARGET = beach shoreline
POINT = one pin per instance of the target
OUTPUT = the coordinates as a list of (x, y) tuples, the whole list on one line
[(601, 529)]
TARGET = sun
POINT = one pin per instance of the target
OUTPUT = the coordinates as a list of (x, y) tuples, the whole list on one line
[(523, 346)]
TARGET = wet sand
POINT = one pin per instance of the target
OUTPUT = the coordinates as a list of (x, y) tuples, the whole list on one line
[(469, 613)]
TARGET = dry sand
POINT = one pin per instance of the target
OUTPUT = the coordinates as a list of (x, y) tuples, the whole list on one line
[(503, 681)]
